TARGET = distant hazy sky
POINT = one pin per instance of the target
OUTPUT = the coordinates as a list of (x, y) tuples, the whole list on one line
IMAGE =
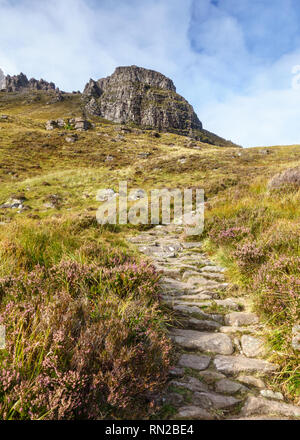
[(232, 59)]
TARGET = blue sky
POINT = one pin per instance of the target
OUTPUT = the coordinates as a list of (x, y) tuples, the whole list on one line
[(232, 59)]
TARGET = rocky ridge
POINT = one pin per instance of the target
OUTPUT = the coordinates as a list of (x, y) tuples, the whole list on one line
[(221, 366), (20, 82)]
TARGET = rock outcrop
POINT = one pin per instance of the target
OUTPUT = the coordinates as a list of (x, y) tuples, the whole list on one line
[(79, 124), (20, 82), (142, 96)]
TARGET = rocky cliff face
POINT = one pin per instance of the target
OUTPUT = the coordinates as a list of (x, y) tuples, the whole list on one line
[(142, 96), (20, 82)]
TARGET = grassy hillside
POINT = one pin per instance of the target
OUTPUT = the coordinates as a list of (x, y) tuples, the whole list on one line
[(56, 261)]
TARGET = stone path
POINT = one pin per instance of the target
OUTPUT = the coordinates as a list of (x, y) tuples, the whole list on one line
[(221, 371)]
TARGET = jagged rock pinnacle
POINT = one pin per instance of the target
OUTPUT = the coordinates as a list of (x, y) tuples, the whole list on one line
[(20, 82)]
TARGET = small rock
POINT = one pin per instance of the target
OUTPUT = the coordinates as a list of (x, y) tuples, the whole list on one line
[(81, 124), (105, 194), (51, 124), (71, 139), (137, 194), (252, 347), (60, 123), (49, 205), (251, 380), (296, 337), (269, 394), (109, 158)]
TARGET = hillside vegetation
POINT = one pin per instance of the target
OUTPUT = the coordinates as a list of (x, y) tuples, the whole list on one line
[(85, 329)]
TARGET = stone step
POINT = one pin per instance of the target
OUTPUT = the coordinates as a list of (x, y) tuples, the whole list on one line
[(214, 400), (239, 330), (204, 341), (201, 324), (191, 244), (170, 284), (226, 303), (184, 301), (193, 413), (213, 276), (259, 406), (238, 364), (197, 296), (241, 318), (211, 376), (196, 362), (212, 268), (227, 386), (190, 383), (156, 251)]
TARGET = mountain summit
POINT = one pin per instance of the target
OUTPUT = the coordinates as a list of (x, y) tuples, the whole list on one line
[(142, 96)]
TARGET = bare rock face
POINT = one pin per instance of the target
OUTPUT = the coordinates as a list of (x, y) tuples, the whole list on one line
[(20, 82), (142, 96)]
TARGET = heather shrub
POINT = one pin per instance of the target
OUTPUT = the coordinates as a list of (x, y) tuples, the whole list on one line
[(277, 284), (249, 255), (84, 330), (81, 366), (229, 235), (78, 345)]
